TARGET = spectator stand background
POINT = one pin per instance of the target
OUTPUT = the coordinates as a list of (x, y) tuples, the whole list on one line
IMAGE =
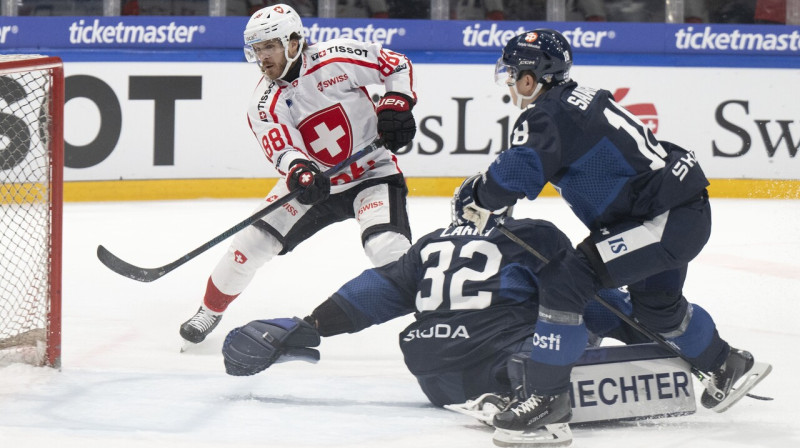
[(669, 11)]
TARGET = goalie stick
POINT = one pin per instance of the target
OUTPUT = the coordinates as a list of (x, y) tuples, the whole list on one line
[(704, 377), (131, 271)]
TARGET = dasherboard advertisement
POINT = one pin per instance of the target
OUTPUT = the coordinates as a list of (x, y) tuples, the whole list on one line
[(187, 120)]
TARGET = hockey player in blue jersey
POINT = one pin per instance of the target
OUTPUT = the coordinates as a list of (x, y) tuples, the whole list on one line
[(474, 295), (644, 202)]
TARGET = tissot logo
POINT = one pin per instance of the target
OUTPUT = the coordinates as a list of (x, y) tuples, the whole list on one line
[(339, 50), (18, 129)]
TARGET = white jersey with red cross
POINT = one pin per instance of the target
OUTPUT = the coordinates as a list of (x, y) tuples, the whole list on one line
[(326, 114)]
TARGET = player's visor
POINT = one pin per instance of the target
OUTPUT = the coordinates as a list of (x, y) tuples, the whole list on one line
[(254, 51), (504, 75)]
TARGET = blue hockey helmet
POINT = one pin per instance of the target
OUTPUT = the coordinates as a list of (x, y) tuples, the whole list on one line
[(545, 52)]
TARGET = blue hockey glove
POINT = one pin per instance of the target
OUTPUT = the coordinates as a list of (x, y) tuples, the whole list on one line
[(396, 124), (252, 348), (305, 174)]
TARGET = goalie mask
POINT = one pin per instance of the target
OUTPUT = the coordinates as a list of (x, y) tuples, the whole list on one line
[(544, 52), (277, 22)]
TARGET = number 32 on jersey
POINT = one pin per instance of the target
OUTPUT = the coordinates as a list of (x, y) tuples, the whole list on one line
[(458, 295)]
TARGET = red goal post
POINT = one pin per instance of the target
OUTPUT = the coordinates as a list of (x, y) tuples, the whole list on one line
[(31, 196)]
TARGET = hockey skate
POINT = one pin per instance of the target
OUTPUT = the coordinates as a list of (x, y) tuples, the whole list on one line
[(741, 368), (200, 325), (483, 408), (536, 421)]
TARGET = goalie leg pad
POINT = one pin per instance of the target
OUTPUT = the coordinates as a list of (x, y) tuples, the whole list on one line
[(252, 348)]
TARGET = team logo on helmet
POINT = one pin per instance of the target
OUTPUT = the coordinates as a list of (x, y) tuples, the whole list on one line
[(531, 37), (278, 9), (328, 135)]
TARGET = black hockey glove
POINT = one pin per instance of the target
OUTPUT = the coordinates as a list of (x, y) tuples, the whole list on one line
[(396, 124), (250, 349), (305, 174)]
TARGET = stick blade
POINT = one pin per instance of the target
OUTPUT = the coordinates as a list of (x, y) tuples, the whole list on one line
[(126, 269)]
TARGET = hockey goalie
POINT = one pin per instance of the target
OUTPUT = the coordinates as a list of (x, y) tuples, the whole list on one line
[(474, 295)]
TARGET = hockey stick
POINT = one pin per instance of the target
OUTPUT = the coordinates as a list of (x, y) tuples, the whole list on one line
[(704, 377), (126, 269)]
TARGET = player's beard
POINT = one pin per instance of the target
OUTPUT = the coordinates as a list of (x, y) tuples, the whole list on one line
[(271, 71), (276, 71)]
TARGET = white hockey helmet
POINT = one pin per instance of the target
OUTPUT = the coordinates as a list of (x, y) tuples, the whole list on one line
[(273, 22)]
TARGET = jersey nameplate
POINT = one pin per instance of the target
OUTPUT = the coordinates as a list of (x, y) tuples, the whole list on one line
[(581, 97)]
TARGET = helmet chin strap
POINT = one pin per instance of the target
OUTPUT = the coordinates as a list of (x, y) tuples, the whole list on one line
[(522, 98), (289, 61)]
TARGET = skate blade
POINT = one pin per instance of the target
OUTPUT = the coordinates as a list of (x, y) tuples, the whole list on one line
[(556, 434), (186, 345), (758, 372), (468, 410), (477, 408)]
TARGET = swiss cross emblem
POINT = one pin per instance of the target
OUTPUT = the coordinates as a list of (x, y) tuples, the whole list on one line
[(305, 179), (328, 135), (531, 37), (239, 257)]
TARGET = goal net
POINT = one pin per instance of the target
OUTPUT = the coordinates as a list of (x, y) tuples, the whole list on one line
[(31, 167)]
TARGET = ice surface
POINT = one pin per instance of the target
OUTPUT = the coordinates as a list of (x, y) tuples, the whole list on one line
[(125, 384)]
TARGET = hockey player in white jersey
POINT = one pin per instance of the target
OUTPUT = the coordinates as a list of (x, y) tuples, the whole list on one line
[(309, 111)]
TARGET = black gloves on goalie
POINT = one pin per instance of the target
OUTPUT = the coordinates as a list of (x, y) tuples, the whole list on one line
[(250, 349), (396, 124), (305, 174)]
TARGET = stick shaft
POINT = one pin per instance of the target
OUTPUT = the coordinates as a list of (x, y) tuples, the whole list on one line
[(126, 269)]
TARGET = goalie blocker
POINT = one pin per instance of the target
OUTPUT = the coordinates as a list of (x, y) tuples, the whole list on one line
[(252, 348)]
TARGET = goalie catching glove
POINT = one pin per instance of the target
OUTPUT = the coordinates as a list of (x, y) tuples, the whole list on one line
[(305, 174), (396, 124), (466, 208), (254, 347)]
